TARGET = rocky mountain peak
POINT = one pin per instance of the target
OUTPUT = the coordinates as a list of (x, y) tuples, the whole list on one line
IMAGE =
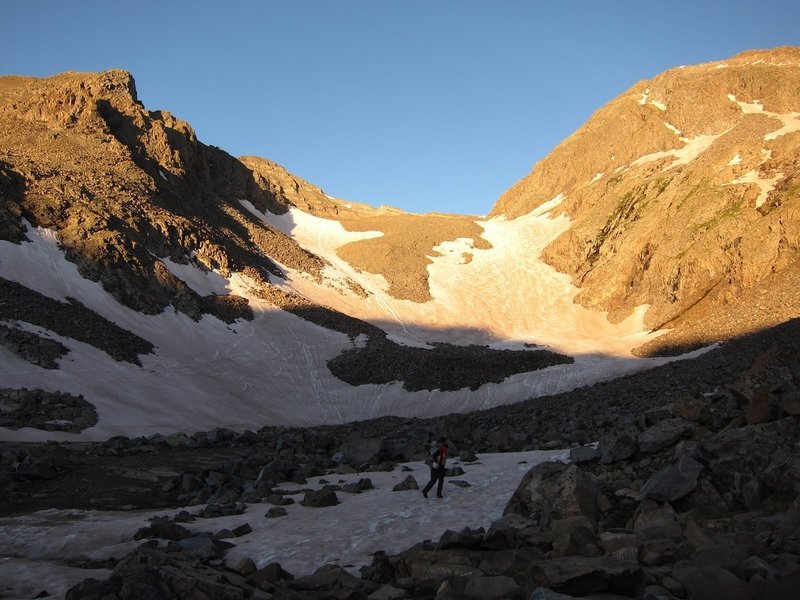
[(69, 99), (653, 115), (681, 193)]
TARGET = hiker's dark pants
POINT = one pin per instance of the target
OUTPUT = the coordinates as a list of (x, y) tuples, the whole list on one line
[(436, 475)]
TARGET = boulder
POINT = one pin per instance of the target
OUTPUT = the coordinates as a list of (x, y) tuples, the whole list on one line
[(723, 555), (320, 498), (619, 446), (245, 566), (663, 434), (578, 540), (477, 586), (657, 552), (437, 565), (673, 481), (164, 529), (703, 582), (579, 576), (790, 403), (466, 538), (692, 409), (278, 500), (654, 519), (754, 566), (200, 546), (387, 592), (552, 491), (409, 483), (331, 578), (502, 533), (358, 450), (584, 454), (656, 592), (758, 406), (7, 484), (269, 574), (467, 455), (42, 471)]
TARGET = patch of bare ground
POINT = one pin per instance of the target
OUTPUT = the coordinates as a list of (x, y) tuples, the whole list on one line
[(402, 254)]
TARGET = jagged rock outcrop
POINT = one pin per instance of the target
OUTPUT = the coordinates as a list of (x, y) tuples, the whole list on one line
[(123, 187), (684, 196), (49, 411)]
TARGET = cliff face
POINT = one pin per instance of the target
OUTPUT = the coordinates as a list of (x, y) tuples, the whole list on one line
[(683, 193)]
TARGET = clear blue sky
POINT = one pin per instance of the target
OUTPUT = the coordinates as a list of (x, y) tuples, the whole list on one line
[(421, 104)]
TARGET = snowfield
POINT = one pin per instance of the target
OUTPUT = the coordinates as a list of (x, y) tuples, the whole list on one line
[(272, 370), (38, 547)]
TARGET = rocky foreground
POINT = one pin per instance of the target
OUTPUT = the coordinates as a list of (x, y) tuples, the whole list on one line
[(692, 492)]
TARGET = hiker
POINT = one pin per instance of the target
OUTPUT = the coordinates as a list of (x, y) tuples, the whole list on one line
[(436, 461)]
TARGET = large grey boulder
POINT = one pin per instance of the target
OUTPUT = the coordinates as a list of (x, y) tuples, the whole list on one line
[(663, 434), (584, 454), (673, 481), (692, 409), (654, 519), (320, 498), (552, 491), (618, 446), (359, 450), (409, 483), (477, 586), (703, 582), (579, 576)]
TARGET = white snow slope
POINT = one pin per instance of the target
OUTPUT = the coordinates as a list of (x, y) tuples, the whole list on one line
[(272, 370), (37, 548)]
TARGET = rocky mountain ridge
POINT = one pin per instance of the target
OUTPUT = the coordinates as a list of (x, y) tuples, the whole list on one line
[(683, 195)]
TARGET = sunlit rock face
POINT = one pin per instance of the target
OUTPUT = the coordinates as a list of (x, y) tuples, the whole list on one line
[(185, 289), (683, 196)]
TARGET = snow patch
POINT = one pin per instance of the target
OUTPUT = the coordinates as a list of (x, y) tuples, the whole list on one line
[(645, 99), (659, 105), (597, 177), (198, 279), (734, 161), (682, 156), (315, 234), (675, 130), (790, 121), (38, 547), (765, 185), (791, 124)]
